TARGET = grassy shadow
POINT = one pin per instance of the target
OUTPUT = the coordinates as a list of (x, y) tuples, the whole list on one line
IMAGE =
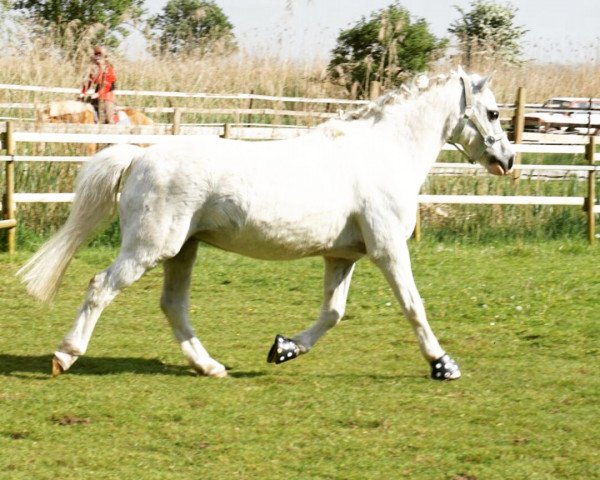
[(16, 365), (235, 374)]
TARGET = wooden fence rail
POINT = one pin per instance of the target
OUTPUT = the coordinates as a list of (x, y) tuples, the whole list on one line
[(11, 138), (188, 95), (513, 114)]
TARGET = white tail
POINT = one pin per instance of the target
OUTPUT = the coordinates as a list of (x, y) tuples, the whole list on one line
[(95, 198)]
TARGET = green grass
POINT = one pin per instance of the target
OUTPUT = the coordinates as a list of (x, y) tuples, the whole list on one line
[(493, 223), (520, 318)]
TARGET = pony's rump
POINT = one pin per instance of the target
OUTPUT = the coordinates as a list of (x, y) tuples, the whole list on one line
[(95, 199)]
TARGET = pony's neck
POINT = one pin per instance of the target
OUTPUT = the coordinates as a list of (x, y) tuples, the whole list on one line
[(427, 121), (422, 125)]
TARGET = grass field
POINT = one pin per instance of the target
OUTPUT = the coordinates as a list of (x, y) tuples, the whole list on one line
[(520, 318)]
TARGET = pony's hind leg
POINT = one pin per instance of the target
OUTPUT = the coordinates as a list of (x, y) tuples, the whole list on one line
[(175, 304), (103, 287), (337, 277)]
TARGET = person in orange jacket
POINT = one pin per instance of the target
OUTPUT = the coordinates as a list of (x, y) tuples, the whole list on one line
[(101, 79)]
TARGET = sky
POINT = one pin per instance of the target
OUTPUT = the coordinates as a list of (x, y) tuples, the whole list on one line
[(559, 31)]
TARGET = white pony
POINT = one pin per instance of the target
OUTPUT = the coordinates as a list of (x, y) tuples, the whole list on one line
[(344, 191)]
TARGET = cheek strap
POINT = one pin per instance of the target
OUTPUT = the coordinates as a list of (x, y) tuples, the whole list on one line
[(469, 116)]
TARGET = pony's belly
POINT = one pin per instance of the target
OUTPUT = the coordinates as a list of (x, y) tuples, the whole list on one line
[(281, 246)]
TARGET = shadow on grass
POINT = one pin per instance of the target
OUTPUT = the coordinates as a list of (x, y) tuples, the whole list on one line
[(40, 366), (234, 374), (18, 365)]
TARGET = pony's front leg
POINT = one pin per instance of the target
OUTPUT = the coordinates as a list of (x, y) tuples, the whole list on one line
[(337, 277), (396, 267), (102, 289), (175, 304)]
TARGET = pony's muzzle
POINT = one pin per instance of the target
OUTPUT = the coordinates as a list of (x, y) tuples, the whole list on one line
[(510, 163), (508, 158), (497, 166)]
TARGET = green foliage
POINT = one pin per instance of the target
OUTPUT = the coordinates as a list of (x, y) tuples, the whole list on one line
[(487, 31), (386, 48), (520, 318), (72, 22), (190, 27)]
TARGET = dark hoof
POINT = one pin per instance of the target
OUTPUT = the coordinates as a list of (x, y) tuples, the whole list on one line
[(283, 350), (444, 368)]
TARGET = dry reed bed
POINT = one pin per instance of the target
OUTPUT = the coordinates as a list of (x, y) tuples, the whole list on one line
[(274, 76)]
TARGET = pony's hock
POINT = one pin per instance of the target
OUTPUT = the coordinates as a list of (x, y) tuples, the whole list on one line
[(283, 349), (444, 368)]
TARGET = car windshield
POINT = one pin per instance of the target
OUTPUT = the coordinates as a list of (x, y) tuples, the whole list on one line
[(570, 104), (555, 104), (585, 105)]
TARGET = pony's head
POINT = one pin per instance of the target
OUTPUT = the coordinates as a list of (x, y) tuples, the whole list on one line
[(478, 133)]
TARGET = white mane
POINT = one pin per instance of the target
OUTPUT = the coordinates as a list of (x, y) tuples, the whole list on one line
[(416, 86)]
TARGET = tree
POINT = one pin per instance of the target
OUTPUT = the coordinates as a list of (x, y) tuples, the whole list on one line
[(187, 27), (75, 24), (488, 32), (387, 47)]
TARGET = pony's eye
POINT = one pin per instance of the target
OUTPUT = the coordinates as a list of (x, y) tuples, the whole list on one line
[(493, 115)]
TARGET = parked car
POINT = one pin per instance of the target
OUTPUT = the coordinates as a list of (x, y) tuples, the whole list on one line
[(566, 115)]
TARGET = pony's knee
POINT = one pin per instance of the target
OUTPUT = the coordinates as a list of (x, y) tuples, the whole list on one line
[(330, 318), (175, 309), (169, 305)]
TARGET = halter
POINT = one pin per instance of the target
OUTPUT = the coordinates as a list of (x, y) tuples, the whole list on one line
[(469, 116)]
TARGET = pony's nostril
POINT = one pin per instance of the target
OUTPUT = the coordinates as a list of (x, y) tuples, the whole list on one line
[(511, 161)]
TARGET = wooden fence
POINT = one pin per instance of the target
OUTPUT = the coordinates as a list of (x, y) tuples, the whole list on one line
[(322, 108), (512, 115), (11, 137)]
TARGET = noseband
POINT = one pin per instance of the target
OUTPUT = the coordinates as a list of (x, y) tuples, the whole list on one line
[(469, 116)]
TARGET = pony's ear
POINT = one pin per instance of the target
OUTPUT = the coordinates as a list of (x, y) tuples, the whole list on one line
[(480, 83)]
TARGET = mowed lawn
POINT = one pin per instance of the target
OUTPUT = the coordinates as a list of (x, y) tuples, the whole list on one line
[(522, 321)]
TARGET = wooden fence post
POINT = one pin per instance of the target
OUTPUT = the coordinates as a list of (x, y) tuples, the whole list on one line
[(518, 127), (176, 121), (250, 106), (417, 232), (591, 194), (8, 206), (226, 130)]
